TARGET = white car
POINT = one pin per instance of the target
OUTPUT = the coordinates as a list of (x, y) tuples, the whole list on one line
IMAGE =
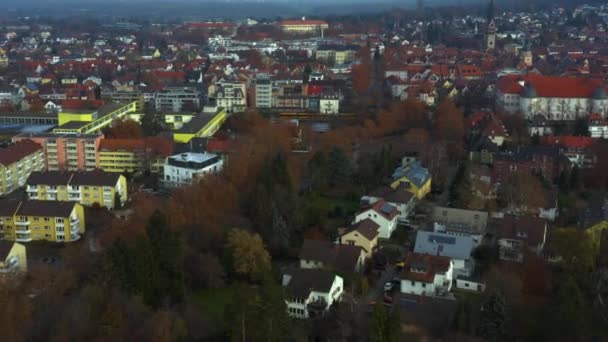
[(388, 286)]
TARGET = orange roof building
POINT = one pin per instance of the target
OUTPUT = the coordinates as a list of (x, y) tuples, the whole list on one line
[(555, 98), (303, 26)]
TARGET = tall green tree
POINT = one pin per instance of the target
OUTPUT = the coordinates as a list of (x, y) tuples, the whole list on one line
[(493, 321), (152, 122), (258, 314), (339, 167)]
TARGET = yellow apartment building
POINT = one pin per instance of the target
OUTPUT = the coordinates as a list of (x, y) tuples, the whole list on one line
[(134, 155), (25, 221), (17, 162), (89, 188)]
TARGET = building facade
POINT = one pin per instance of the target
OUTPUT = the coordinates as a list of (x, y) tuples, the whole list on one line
[(66, 152), (134, 155), (183, 169), (17, 162), (178, 99), (26, 221), (88, 188), (553, 98), (311, 292), (427, 275)]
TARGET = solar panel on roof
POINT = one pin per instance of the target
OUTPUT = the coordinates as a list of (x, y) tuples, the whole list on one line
[(442, 239), (386, 208)]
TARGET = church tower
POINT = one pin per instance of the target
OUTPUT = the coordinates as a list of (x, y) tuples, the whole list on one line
[(491, 29), (3, 59), (491, 36)]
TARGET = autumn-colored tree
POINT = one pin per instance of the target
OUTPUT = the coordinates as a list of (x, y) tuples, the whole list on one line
[(16, 311), (124, 129), (249, 255), (416, 136), (535, 276), (450, 122), (521, 192), (361, 78), (412, 113)]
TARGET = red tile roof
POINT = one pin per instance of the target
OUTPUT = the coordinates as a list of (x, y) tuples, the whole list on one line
[(158, 145), (550, 86), (424, 267), (18, 151), (569, 141)]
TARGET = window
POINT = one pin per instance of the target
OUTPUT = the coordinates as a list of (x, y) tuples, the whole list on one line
[(423, 284), (413, 283)]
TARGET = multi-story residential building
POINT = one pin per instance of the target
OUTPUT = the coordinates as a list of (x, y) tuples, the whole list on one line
[(88, 188), (555, 98), (311, 292), (304, 26), (25, 221), (66, 152), (17, 162), (336, 54), (13, 258), (229, 94), (178, 99), (598, 126), (134, 155), (427, 275), (183, 169), (263, 93)]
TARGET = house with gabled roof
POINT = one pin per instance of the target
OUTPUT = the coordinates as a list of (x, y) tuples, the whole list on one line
[(311, 292), (363, 234), (426, 275), (400, 197), (383, 214), (316, 254), (414, 177), (518, 235)]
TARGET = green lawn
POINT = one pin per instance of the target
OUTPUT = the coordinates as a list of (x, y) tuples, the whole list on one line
[(327, 204), (213, 302)]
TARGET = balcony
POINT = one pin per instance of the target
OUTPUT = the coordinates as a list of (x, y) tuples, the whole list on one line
[(23, 236), (22, 230), (51, 190), (22, 222), (74, 221), (74, 237)]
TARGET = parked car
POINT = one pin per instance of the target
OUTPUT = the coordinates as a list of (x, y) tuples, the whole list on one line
[(388, 286)]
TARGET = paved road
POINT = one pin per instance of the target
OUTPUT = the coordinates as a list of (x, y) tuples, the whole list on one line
[(376, 293)]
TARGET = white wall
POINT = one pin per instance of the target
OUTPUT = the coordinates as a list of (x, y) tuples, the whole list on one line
[(386, 227)]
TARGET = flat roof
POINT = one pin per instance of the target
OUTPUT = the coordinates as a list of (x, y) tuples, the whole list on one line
[(193, 157), (58, 135), (198, 121)]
